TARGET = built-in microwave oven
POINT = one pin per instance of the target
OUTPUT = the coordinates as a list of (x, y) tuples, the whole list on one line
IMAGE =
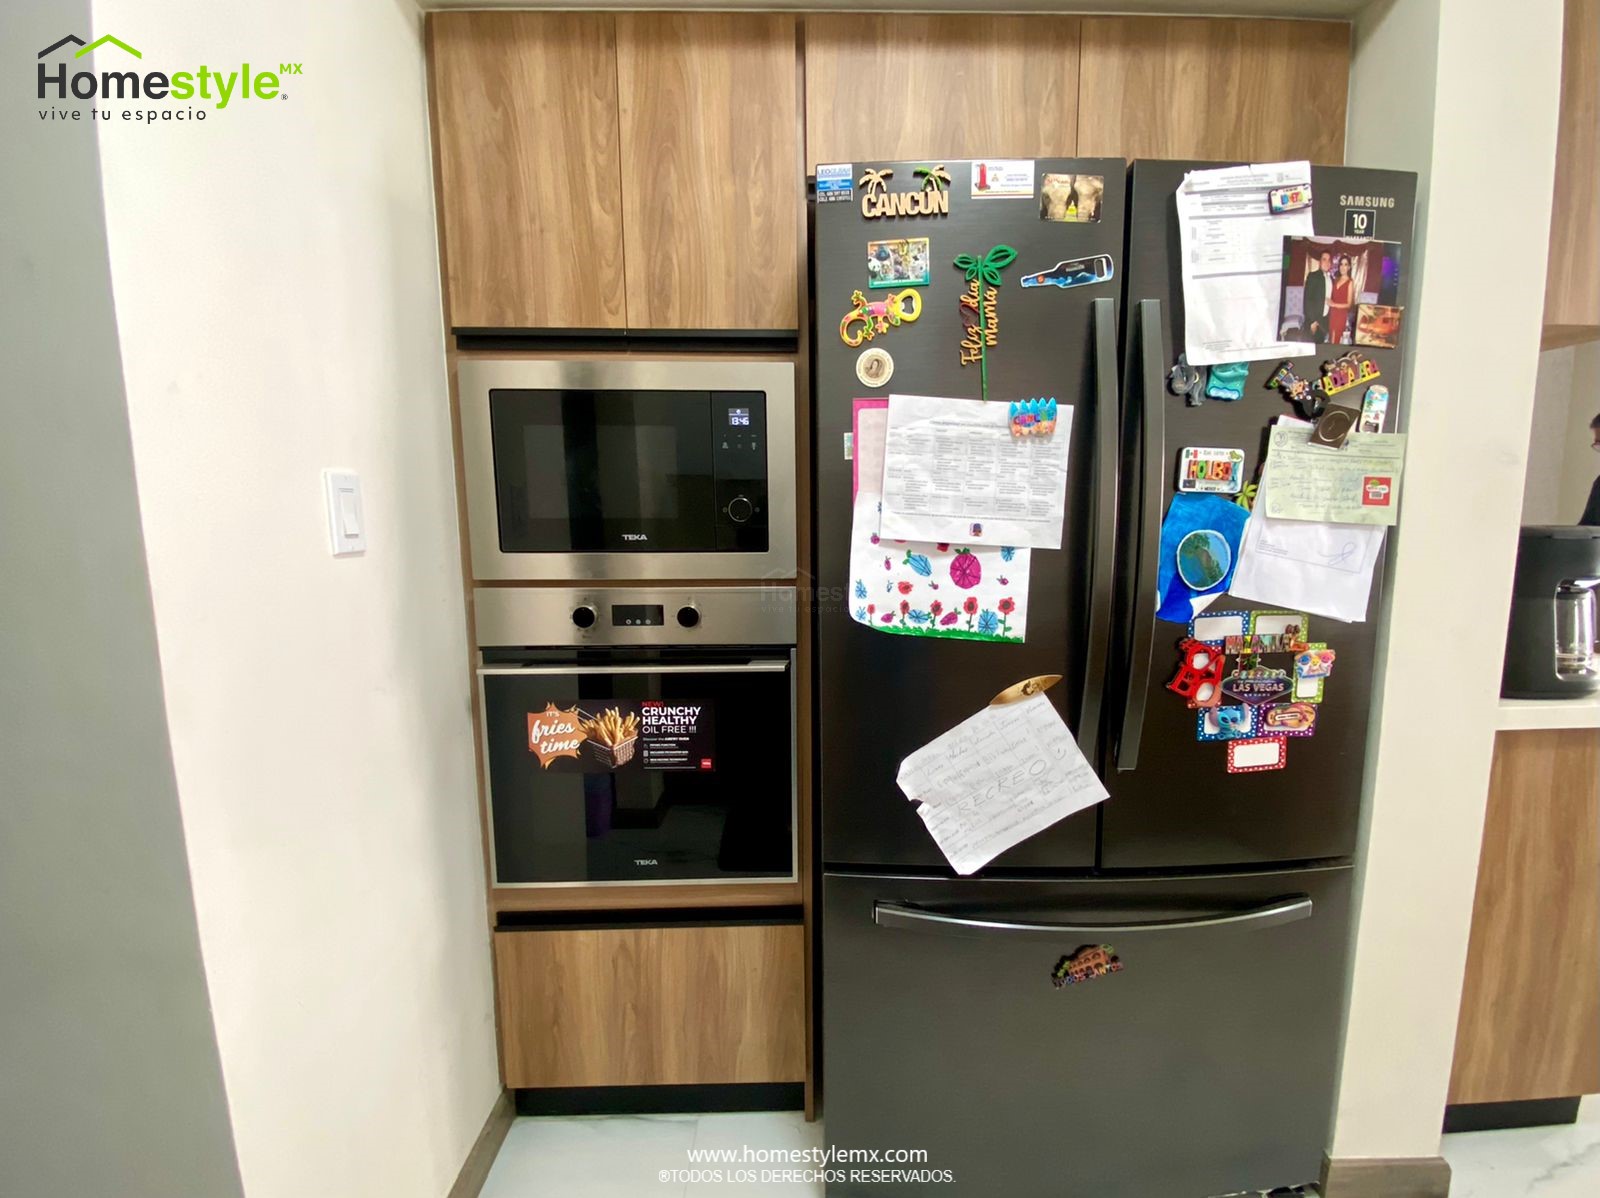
[(628, 468)]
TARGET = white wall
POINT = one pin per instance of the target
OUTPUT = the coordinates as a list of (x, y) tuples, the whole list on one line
[(1469, 412), (1579, 463), (275, 278), (1543, 492)]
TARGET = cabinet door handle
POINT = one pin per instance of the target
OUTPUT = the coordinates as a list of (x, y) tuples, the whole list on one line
[(1284, 910), (764, 666)]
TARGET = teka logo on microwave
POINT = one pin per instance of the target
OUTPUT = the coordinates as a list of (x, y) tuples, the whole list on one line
[(635, 536), (161, 90)]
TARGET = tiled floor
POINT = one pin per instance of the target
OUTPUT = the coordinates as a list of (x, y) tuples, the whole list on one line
[(647, 1156)]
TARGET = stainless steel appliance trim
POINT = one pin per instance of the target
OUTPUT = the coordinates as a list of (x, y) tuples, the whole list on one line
[(476, 377), (759, 880), (769, 666), (1278, 911), (528, 616)]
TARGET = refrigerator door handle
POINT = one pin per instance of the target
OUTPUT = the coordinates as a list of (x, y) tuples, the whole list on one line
[(1288, 909), (1103, 315), (1152, 462)]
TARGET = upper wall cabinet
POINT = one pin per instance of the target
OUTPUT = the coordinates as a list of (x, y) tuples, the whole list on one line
[(889, 86), (1228, 90), (1572, 287), (711, 178), (525, 110)]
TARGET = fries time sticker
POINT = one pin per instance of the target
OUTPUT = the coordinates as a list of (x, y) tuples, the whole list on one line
[(598, 736)]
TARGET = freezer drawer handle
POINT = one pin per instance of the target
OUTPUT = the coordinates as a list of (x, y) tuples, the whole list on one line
[(1288, 909)]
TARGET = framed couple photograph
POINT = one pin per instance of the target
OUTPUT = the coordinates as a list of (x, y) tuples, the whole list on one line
[(1340, 291)]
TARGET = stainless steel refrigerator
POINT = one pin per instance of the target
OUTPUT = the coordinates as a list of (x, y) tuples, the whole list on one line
[(1205, 1063)]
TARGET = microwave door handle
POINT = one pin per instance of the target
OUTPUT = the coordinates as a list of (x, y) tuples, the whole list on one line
[(763, 666), (1287, 909)]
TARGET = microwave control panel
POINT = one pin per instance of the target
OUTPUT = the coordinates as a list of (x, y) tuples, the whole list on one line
[(739, 448)]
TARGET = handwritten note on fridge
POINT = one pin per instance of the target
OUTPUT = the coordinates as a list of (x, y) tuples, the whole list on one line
[(953, 472), (996, 779), (1359, 484)]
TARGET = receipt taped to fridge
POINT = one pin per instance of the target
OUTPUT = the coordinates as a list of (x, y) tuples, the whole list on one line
[(996, 779), (1359, 484)]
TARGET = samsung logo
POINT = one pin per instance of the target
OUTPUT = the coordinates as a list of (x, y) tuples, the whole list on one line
[(634, 536), (1366, 201)]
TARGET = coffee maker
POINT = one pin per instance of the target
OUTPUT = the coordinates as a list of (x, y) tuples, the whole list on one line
[(1550, 644)]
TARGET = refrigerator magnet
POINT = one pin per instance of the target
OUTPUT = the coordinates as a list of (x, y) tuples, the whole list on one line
[(1071, 198), (1279, 631), (931, 199), (1256, 685), (1296, 390), (865, 321), (874, 367), (1210, 470), (1217, 627), (1084, 964), (1073, 272), (1225, 381), (1289, 719), (1007, 178), (1201, 665), (1203, 559), (1311, 670), (1225, 723), (1346, 372), (1374, 405), (1188, 381), (1335, 425), (1033, 417), (898, 262), (1256, 754)]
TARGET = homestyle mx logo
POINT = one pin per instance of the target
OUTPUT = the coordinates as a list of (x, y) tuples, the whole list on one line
[(58, 80)]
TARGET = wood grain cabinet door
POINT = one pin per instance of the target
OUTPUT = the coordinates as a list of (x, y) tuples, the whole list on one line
[(525, 109), (1572, 287), (711, 179), (643, 1006), (889, 86), (1210, 88)]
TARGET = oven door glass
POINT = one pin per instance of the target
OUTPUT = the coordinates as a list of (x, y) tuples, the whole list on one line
[(603, 471), (664, 771)]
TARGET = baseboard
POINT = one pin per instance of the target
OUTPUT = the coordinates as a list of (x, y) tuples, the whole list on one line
[(662, 1100), (475, 1170), (1402, 1177), (1492, 1116)]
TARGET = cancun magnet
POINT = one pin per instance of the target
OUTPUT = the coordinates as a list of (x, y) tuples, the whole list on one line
[(931, 199)]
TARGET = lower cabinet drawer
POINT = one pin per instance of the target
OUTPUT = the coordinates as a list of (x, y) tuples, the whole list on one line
[(651, 1006)]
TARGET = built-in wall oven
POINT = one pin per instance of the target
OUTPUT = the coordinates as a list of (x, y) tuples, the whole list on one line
[(627, 468), (639, 736)]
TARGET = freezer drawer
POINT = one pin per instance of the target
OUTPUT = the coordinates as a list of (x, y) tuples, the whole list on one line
[(1204, 1066)]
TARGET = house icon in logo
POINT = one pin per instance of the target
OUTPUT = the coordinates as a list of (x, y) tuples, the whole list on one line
[(74, 40)]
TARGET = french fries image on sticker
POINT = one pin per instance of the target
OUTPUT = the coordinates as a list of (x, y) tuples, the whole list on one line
[(611, 728)]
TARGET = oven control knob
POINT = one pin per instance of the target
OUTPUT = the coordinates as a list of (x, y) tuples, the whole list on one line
[(689, 617), (584, 617), (740, 509)]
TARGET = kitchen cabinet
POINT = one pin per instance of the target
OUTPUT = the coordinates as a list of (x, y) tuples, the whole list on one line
[(1572, 286), (525, 123), (888, 86), (711, 177), (651, 1006), (1530, 1007), (1210, 88)]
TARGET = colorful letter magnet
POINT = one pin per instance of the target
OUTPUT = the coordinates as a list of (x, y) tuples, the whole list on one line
[(1199, 676), (1217, 471), (1289, 199), (1345, 372), (1033, 417)]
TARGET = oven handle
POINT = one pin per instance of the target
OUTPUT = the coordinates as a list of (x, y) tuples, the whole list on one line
[(763, 666)]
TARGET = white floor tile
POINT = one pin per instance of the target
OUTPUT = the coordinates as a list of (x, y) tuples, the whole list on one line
[(607, 1156), (1530, 1162), (763, 1134)]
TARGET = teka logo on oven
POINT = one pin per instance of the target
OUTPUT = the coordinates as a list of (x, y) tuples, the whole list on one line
[(1376, 490)]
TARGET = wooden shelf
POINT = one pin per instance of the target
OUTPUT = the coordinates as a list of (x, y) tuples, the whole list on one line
[(645, 898)]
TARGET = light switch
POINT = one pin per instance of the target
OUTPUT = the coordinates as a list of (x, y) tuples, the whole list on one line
[(347, 529)]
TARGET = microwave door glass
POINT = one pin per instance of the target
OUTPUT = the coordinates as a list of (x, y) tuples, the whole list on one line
[(599, 471)]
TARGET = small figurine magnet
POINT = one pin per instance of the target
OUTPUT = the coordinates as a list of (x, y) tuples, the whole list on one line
[(1226, 381), (1187, 381)]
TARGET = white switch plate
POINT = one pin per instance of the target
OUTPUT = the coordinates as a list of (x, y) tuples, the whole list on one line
[(347, 526)]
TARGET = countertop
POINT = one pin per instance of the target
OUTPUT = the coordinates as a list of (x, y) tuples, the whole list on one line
[(1522, 715)]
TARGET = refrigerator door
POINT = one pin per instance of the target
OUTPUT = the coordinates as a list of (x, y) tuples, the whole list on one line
[(1203, 1066), (1173, 802), (881, 695)]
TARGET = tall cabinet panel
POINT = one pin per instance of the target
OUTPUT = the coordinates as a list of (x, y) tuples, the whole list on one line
[(882, 86), (526, 112), (711, 189), (1206, 88)]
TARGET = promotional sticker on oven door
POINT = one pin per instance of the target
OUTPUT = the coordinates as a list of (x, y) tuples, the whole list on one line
[(602, 736)]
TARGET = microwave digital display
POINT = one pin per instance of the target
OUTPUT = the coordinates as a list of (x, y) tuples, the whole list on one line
[(739, 417)]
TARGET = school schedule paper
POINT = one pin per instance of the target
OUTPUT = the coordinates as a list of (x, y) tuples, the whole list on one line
[(1233, 259), (996, 779), (953, 472)]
